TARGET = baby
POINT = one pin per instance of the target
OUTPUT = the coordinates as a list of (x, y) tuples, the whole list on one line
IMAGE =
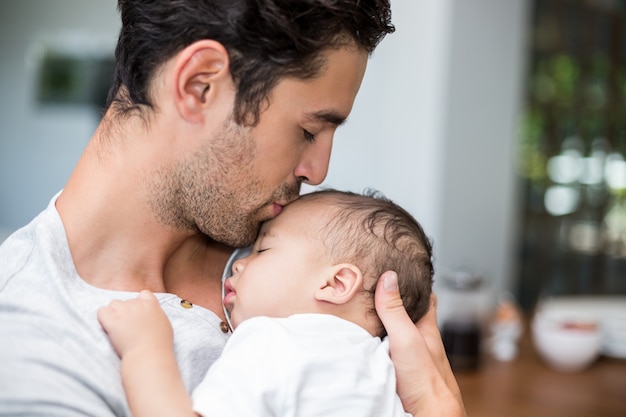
[(307, 340)]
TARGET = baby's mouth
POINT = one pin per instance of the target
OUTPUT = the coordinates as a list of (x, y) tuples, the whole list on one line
[(229, 294)]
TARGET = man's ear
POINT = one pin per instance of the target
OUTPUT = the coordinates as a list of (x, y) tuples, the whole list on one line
[(342, 283), (202, 73)]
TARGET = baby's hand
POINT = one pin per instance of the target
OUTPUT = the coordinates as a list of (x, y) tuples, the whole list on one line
[(137, 324)]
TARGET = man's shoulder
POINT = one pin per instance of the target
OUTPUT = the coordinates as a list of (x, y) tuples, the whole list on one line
[(43, 237), (15, 252)]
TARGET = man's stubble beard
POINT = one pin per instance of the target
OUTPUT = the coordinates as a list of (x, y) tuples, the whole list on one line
[(215, 191)]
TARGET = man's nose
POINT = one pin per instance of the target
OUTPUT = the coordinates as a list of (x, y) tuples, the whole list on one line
[(313, 167)]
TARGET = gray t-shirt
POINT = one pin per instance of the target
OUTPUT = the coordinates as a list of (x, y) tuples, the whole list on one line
[(55, 359)]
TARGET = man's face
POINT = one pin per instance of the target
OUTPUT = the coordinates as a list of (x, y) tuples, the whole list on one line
[(242, 176), (286, 266)]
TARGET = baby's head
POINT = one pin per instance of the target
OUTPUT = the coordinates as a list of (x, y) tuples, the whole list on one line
[(325, 253), (377, 235)]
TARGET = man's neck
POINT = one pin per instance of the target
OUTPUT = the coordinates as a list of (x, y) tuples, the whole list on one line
[(117, 243)]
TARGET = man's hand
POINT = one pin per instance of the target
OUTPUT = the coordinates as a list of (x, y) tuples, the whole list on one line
[(425, 382)]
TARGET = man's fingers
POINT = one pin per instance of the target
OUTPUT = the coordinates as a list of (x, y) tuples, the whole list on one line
[(405, 341), (427, 325), (389, 304), (430, 330)]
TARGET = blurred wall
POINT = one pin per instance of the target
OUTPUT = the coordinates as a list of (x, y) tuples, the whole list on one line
[(433, 127), (40, 145)]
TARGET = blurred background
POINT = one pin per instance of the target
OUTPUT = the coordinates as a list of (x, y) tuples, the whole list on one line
[(572, 144), (500, 125)]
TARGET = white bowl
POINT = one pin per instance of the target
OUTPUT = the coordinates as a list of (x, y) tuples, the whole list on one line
[(566, 342)]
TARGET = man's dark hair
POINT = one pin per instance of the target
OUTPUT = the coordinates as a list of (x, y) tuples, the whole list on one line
[(267, 40)]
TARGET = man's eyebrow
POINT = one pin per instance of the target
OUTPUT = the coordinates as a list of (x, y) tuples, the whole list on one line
[(327, 116)]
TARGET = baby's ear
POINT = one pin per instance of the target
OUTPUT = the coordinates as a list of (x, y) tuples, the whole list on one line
[(342, 283)]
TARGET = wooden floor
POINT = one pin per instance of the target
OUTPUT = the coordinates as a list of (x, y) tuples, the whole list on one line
[(527, 388)]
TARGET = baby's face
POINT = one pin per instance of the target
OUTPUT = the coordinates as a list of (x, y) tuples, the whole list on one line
[(287, 264)]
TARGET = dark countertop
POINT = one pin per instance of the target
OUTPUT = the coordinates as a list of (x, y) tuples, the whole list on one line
[(526, 387)]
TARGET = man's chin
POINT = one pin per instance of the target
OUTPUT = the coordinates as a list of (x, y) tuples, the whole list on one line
[(241, 240), (241, 233)]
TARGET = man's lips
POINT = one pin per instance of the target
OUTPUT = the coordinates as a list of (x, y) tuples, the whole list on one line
[(277, 208)]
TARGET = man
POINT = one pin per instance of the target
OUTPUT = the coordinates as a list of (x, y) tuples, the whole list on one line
[(218, 112)]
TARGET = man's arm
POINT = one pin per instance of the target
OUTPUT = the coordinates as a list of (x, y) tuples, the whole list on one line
[(426, 384), (143, 338)]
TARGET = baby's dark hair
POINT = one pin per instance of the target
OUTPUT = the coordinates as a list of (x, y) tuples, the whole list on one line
[(377, 235)]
